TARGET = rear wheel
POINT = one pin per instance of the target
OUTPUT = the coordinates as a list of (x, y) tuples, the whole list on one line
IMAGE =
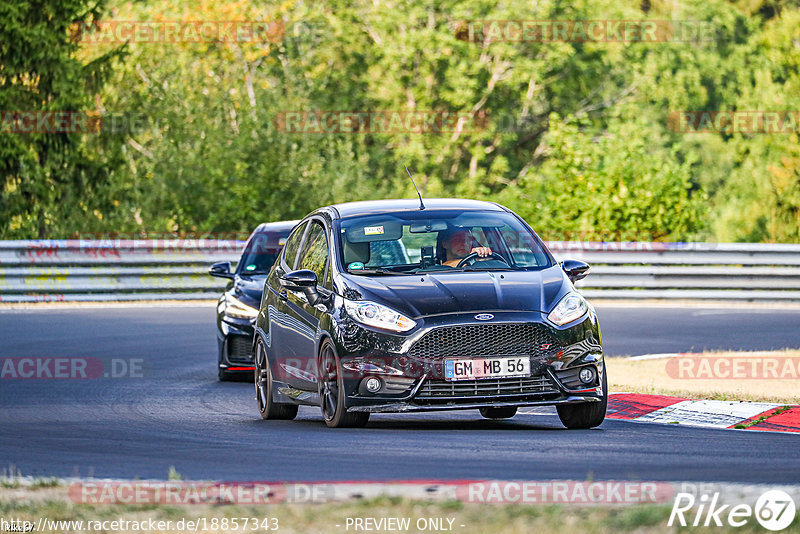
[(332, 393), (499, 413), (263, 377), (586, 414)]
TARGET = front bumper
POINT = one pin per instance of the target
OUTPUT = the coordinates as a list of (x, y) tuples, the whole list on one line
[(416, 402), (413, 373), (235, 339), (406, 407)]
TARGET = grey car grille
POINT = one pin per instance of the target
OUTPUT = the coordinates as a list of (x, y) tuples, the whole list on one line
[(240, 349), (469, 341), (493, 388)]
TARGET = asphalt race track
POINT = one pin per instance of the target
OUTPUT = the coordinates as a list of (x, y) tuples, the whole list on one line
[(177, 414)]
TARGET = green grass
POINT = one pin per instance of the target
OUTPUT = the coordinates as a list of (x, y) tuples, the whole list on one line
[(762, 418), (323, 518)]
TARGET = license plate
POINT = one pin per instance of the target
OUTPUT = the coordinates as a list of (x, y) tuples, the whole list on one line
[(470, 369)]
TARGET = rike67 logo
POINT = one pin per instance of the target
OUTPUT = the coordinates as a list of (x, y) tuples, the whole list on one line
[(774, 510)]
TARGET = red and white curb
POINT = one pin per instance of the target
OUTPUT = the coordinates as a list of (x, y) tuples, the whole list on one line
[(762, 416)]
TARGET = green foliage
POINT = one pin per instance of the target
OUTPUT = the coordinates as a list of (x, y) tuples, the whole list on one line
[(47, 179), (574, 136), (621, 185)]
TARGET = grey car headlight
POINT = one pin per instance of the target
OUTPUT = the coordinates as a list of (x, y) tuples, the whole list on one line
[(236, 308), (569, 308), (378, 315)]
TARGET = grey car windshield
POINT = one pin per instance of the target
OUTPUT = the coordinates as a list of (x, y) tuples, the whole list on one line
[(260, 254), (444, 240)]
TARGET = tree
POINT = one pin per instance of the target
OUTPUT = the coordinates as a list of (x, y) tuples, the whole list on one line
[(612, 187), (575, 135), (46, 178)]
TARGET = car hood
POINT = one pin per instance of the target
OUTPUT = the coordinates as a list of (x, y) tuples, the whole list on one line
[(455, 292), (249, 289)]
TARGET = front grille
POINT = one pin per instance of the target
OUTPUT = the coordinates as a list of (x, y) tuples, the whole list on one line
[(240, 349), (466, 390), (523, 339)]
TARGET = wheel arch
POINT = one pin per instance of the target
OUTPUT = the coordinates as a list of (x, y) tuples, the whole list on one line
[(325, 336), (260, 335)]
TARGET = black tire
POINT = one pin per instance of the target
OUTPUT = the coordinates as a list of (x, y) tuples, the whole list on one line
[(586, 414), (331, 386), (505, 412), (268, 408), (223, 375)]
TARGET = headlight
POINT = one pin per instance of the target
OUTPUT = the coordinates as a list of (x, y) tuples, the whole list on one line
[(571, 307), (378, 315), (236, 308)]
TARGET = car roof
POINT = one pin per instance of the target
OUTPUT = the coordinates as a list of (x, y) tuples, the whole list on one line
[(374, 207), (280, 227)]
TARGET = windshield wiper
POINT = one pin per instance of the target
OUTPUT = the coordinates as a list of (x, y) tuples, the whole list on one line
[(377, 270), (473, 268)]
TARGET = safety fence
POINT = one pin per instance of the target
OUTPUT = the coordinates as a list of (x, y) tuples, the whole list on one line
[(115, 270)]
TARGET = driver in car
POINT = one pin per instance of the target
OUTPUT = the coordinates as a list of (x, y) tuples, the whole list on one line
[(455, 244)]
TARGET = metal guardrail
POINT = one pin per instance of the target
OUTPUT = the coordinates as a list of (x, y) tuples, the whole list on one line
[(112, 270), (83, 270), (726, 271)]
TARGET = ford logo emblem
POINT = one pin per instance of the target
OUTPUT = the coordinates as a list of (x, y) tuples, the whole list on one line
[(484, 317)]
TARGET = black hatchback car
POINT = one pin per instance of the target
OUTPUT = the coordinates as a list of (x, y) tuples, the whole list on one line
[(237, 308), (388, 306)]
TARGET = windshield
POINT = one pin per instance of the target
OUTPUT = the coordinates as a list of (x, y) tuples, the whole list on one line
[(261, 252), (446, 240)]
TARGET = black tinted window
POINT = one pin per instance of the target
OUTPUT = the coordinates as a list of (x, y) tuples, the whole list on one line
[(413, 241), (261, 252), (293, 244), (315, 252)]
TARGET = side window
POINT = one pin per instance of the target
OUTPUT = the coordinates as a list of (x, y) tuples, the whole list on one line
[(293, 244), (314, 255)]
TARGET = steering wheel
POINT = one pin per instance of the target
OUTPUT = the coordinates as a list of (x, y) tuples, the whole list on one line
[(471, 258)]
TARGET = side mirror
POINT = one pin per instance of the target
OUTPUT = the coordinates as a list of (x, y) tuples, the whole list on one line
[(221, 270), (304, 281), (576, 270)]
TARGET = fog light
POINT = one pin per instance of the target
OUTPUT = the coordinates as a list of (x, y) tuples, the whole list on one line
[(373, 384), (586, 375)]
